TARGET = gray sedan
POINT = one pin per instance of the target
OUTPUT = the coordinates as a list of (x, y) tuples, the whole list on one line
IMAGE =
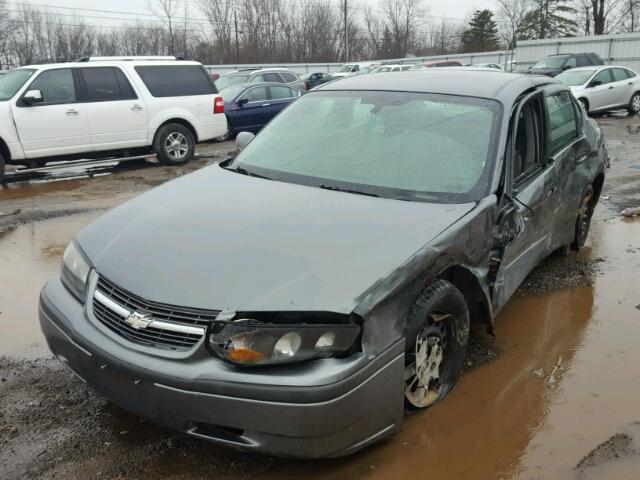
[(295, 299), (604, 88)]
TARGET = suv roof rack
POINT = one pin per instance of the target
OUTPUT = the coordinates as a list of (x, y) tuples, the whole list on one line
[(248, 69), (128, 58)]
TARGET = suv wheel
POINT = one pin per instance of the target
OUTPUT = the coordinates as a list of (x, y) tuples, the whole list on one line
[(1, 168), (174, 144), (436, 335), (634, 103)]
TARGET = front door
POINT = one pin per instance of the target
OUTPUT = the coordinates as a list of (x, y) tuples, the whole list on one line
[(601, 96), (117, 117), (251, 116), (533, 181), (57, 125)]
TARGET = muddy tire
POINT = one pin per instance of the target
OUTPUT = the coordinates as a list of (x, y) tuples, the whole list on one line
[(174, 144), (585, 104), (1, 168), (437, 336), (634, 104), (583, 219)]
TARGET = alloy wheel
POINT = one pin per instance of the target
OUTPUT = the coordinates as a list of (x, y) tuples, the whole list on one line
[(176, 145), (635, 103)]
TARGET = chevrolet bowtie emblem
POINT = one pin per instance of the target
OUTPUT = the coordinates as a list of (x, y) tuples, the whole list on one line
[(138, 320)]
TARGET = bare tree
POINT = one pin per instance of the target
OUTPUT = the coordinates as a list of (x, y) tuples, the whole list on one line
[(600, 17), (220, 17), (511, 14), (403, 18), (445, 37), (167, 11)]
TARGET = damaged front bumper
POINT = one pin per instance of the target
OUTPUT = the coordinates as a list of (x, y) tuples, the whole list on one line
[(327, 407)]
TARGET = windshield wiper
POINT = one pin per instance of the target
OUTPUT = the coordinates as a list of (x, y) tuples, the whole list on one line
[(346, 190), (244, 171)]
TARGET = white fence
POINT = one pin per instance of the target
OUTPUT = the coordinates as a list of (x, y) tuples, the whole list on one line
[(619, 49)]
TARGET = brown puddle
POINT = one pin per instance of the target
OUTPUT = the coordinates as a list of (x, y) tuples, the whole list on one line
[(29, 256)]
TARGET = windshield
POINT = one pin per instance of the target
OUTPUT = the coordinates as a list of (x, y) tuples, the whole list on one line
[(231, 92), (572, 78), (551, 62), (345, 69), (228, 80), (12, 81), (411, 146)]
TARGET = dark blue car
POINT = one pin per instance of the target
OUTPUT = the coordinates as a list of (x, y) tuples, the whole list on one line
[(249, 107)]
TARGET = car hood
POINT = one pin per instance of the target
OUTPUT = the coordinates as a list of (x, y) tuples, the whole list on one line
[(216, 239)]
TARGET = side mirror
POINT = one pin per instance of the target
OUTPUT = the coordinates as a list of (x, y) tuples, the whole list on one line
[(32, 97), (243, 139), (242, 102), (566, 67), (594, 83)]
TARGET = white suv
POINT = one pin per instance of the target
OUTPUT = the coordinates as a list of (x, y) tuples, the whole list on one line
[(101, 106)]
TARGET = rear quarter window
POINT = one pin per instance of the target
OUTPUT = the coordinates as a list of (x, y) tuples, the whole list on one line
[(176, 80)]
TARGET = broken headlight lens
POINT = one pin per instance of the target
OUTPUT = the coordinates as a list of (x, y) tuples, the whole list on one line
[(249, 342), (75, 271)]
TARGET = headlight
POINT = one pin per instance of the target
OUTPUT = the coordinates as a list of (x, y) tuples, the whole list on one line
[(249, 342), (75, 271)]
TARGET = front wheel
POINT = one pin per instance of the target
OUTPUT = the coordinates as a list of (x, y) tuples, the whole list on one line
[(634, 103), (174, 144), (583, 220), (437, 336)]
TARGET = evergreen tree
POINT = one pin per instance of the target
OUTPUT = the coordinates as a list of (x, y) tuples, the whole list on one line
[(482, 33), (548, 19)]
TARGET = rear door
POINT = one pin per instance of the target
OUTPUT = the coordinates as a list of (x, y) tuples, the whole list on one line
[(117, 117), (622, 86), (281, 97), (56, 126)]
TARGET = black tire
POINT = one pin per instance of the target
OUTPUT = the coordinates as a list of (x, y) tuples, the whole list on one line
[(585, 104), (583, 219), (437, 336), (1, 168), (634, 104), (174, 144)]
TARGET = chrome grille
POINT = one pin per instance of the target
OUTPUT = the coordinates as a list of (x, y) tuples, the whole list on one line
[(168, 326)]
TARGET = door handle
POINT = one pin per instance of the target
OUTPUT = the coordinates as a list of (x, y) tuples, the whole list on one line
[(266, 104), (610, 87), (72, 111), (581, 158), (136, 108)]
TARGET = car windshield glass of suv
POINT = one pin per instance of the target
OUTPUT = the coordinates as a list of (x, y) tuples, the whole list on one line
[(412, 146), (12, 81), (573, 78), (228, 80), (550, 62)]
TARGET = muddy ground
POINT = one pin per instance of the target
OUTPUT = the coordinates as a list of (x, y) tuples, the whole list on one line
[(552, 396)]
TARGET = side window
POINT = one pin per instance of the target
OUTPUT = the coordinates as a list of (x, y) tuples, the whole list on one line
[(101, 84), (279, 93), (356, 68), (619, 74), (56, 86), (257, 79), (176, 80), (603, 77), (272, 77), (563, 124), (290, 77), (571, 63), (257, 94), (583, 61), (630, 74), (527, 157), (126, 90)]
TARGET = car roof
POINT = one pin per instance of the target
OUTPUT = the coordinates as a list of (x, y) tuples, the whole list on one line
[(111, 63), (464, 81)]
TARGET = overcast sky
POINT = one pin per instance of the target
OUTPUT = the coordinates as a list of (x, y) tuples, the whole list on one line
[(446, 8)]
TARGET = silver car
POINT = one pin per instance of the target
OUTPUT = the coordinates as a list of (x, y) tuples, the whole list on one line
[(604, 88)]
